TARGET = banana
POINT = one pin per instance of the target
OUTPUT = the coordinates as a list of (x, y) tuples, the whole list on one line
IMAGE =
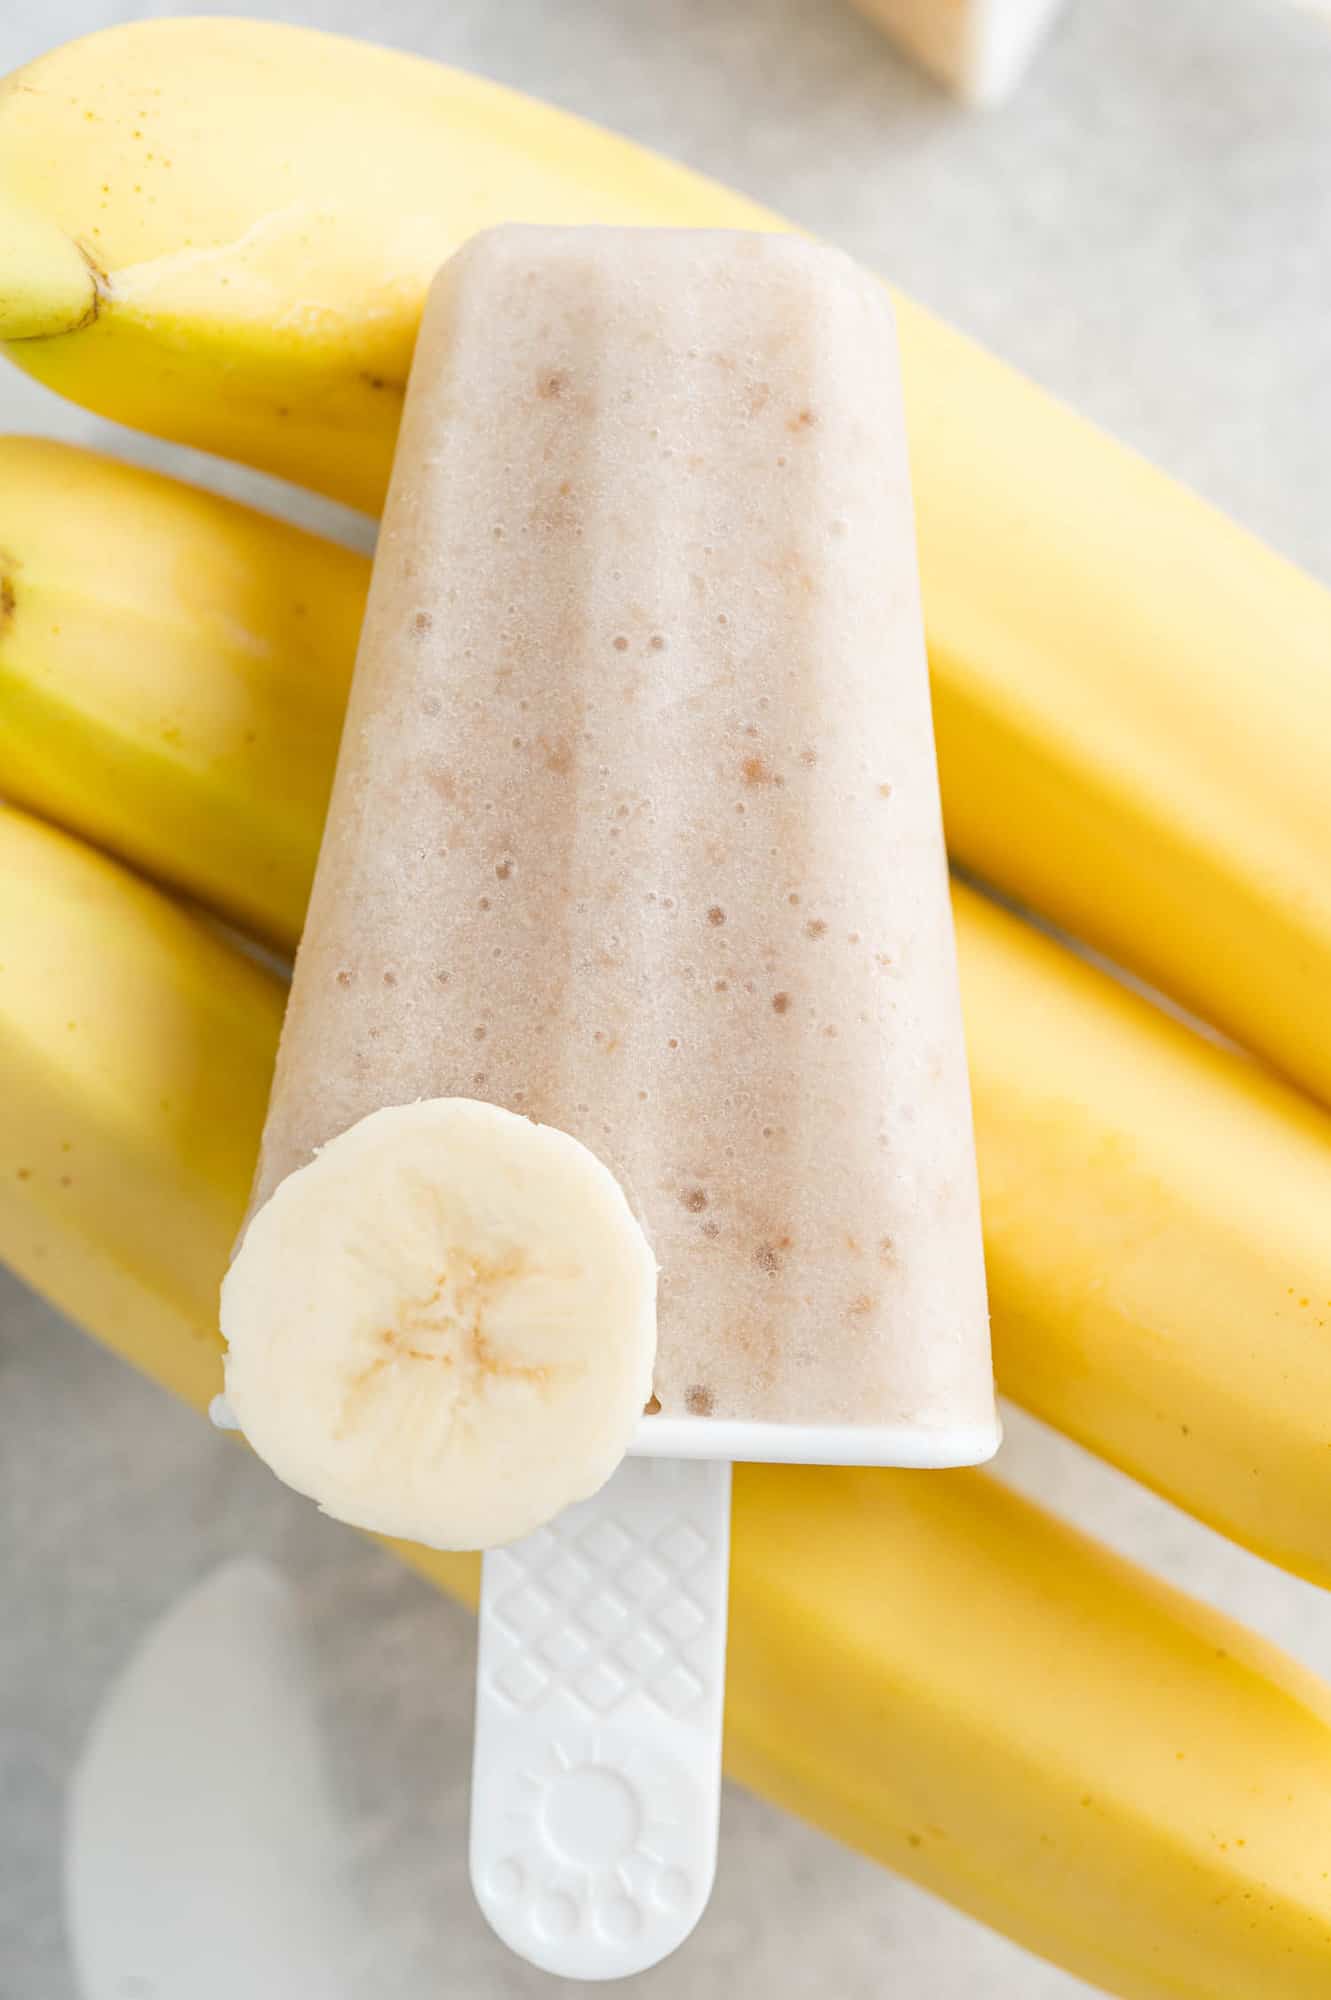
[(927, 1667), (1155, 1208), (443, 1327), (164, 655), (47, 285), (136, 1049), (1156, 1240), (1141, 685)]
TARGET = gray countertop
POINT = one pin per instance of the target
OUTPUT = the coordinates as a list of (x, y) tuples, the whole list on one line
[(1145, 230)]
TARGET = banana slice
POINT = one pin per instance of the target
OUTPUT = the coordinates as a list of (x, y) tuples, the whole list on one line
[(444, 1327)]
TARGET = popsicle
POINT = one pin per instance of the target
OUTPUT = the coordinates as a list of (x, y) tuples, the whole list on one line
[(633, 861)]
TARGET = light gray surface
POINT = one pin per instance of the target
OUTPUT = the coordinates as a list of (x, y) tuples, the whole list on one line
[(1146, 230)]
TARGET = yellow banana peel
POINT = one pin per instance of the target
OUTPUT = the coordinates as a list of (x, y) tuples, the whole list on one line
[(47, 284), (173, 670), (1131, 694), (924, 1665), (1156, 1209), (135, 1052)]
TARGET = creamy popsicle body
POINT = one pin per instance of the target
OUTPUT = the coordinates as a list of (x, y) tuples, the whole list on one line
[(636, 829)]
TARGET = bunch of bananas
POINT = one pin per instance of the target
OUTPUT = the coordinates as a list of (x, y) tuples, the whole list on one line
[(1134, 720)]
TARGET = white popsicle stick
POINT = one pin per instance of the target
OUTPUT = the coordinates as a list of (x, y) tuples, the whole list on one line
[(597, 1773)]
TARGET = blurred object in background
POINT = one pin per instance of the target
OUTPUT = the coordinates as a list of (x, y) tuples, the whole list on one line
[(205, 1858), (978, 48)]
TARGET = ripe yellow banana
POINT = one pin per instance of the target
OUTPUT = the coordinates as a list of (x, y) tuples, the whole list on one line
[(135, 1052), (1131, 695), (1155, 1209), (164, 656), (926, 1666)]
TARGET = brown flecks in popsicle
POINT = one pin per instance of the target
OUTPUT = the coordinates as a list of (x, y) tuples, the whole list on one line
[(673, 1042), (479, 1032), (503, 869), (695, 1200), (793, 899), (768, 1258), (657, 642), (721, 618), (861, 1307), (720, 986), (390, 978), (620, 643), (815, 928), (422, 622), (884, 791), (482, 902), (780, 1003), (716, 915), (809, 757), (552, 385), (442, 976), (652, 1407), (558, 757), (755, 771), (344, 977), (803, 420), (711, 1229), (853, 937), (698, 1401)]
